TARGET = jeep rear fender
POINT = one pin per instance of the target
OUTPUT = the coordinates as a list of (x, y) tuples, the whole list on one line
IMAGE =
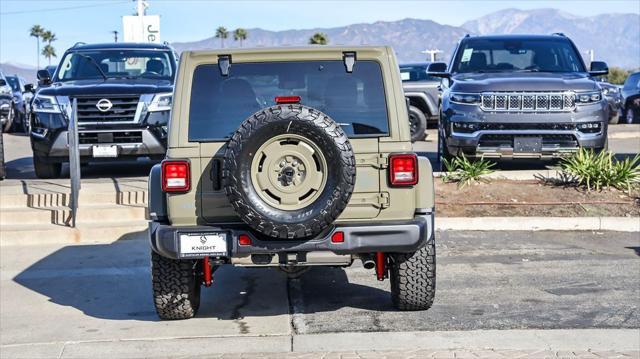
[(157, 208), (424, 190)]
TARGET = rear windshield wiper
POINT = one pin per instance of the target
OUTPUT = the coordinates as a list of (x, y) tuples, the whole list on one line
[(87, 57)]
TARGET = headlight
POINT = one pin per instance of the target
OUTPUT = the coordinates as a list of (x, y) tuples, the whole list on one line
[(588, 97), (466, 127), (465, 98), (44, 103), (161, 102), (589, 127)]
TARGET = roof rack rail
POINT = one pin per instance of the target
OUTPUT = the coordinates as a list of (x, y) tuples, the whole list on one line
[(559, 34), (78, 44)]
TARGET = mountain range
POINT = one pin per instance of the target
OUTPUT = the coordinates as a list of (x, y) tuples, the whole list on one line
[(615, 38)]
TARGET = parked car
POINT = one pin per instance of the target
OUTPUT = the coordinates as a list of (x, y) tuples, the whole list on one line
[(3, 170), (7, 113), (520, 96), (631, 98), (21, 98), (290, 158), (422, 92), (124, 93), (613, 95)]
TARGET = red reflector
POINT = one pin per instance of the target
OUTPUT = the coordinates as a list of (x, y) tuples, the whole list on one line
[(175, 176), (244, 240), (403, 169), (337, 237), (287, 99)]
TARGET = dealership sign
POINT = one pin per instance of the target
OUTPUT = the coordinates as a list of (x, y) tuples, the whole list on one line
[(141, 28)]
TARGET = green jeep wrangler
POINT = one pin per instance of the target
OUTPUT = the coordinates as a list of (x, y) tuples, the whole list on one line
[(290, 158)]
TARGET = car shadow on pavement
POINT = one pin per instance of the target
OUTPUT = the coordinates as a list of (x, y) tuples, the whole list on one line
[(112, 282), (22, 168)]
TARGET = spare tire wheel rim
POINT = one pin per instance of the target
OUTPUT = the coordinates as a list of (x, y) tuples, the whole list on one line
[(289, 172)]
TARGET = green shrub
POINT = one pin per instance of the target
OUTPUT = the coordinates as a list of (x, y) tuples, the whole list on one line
[(459, 169), (600, 170)]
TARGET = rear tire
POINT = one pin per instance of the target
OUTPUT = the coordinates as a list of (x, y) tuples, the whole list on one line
[(630, 115), (413, 278), (11, 117), (176, 287), (417, 123), (45, 169), (3, 172)]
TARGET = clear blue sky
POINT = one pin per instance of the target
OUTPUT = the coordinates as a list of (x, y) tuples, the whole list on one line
[(93, 20)]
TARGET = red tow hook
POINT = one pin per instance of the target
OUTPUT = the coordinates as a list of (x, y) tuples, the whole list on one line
[(206, 271), (381, 265)]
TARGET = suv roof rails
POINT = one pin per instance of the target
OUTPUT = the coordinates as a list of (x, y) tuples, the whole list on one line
[(79, 43), (559, 34)]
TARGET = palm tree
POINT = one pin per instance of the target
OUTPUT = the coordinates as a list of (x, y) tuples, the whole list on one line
[(49, 37), (49, 51), (319, 38), (222, 33), (37, 31), (240, 34)]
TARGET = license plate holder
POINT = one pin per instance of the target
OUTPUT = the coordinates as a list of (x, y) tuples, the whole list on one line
[(105, 151), (212, 244), (527, 144)]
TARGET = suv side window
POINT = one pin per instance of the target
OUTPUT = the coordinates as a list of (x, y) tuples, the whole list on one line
[(354, 100)]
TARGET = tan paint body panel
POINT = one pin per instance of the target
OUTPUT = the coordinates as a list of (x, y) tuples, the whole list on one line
[(372, 197)]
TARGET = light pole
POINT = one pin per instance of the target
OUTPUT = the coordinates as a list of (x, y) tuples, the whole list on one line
[(591, 54), (115, 35), (432, 53)]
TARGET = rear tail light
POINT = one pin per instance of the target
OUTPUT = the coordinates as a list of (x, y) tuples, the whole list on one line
[(176, 176), (337, 237), (287, 99), (244, 240), (403, 170)]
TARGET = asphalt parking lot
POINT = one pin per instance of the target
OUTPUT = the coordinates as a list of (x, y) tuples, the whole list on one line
[(89, 298), (624, 141)]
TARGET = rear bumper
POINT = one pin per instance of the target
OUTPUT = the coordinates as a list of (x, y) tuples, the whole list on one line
[(398, 237)]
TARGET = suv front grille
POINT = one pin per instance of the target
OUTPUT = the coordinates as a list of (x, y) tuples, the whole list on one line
[(123, 108), (548, 140), (528, 102), (89, 138), (527, 126)]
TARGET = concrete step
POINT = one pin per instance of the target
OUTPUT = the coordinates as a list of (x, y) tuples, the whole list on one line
[(62, 215), (33, 195), (105, 232)]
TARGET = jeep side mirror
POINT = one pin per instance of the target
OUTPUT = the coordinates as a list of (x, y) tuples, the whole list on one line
[(44, 77), (599, 68), (29, 88), (3, 82), (438, 69)]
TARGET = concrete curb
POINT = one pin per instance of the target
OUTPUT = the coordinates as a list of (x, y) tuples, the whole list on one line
[(620, 224), (552, 339), (515, 175), (549, 340)]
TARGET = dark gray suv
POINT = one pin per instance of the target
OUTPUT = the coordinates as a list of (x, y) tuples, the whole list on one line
[(520, 96)]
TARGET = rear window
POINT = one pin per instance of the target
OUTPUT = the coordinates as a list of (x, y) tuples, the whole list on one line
[(354, 100), (416, 74)]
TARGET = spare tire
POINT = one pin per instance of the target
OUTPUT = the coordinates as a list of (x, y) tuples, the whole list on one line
[(289, 171)]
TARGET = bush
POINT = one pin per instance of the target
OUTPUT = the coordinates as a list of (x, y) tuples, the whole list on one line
[(461, 170), (600, 170), (617, 75)]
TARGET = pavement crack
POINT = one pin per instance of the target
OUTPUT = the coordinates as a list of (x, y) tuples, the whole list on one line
[(296, 307)]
